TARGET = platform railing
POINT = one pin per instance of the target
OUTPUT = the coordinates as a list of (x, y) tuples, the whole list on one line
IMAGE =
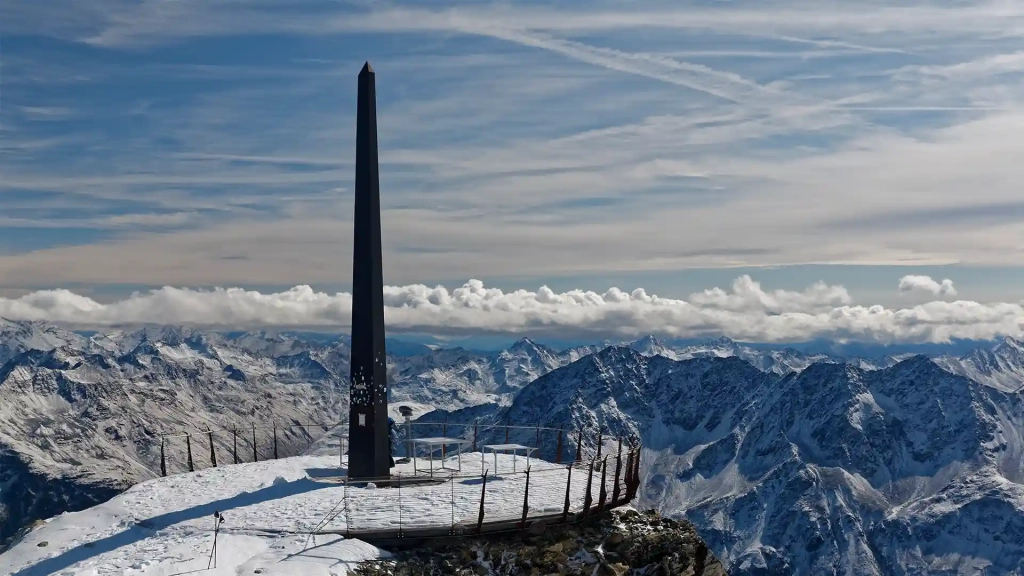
[(400, 507), (188, 451)]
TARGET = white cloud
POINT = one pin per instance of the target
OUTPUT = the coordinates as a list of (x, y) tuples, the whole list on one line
[(911, 284), (747, 312)]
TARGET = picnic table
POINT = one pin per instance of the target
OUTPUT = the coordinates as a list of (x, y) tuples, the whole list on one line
[(505, 448), (432, 444)]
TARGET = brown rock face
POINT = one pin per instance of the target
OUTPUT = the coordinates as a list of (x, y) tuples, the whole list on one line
[(619, 543)]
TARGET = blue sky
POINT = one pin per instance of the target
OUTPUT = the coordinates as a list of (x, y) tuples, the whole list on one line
[(668, 145)]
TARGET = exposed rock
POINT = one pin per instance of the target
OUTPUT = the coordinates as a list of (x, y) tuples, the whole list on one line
[(645, 543)]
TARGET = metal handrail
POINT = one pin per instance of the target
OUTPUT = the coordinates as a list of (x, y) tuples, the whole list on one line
[(331, 425)]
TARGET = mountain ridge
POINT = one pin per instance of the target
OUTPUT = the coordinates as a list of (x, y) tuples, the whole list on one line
[(784, 461)]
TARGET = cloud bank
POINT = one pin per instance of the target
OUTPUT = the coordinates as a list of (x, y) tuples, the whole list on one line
[(745, 311), (911, 284)]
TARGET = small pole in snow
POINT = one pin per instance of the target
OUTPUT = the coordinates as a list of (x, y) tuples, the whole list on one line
[(275, 441), (587, 498), (188, 447), (615, 484), (213, 454), (558, 455), (526, 500), (483, 492), (628, 481), (234, 444), (255, 456), (163, 460), (218, 519), (565, 507)]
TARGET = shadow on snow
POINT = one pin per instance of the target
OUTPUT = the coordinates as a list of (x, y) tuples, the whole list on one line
[(146, 528)]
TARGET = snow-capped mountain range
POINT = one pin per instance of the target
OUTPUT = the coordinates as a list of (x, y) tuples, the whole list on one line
[(908, 469), (787, 463)]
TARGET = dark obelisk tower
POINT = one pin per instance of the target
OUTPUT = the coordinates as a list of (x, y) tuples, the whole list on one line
[(369, 455)]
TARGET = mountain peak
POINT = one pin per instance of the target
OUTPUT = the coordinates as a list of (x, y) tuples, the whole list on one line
[(1009, 343), (650, 339)]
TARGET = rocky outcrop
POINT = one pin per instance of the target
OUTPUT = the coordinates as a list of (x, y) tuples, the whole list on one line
[(621, 542)]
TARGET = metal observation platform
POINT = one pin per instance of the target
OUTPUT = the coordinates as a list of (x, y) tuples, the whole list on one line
[(449, 479)]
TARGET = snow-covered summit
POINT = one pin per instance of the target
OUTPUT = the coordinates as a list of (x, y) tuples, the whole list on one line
[(19, 336)]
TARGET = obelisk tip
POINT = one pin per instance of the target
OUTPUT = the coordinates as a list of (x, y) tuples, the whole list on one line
[(367, 69)]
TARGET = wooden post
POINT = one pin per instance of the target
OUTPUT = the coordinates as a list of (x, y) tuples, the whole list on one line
[(526, 501), (618, 467), (255, 456), (629, 475), (587, 498), (451, 531), (600, 441), (444, 432), (636, 471), (565, 507), (480, 516), (163, 461), (213, 453), (558, 454), (506, 431), (475, 426), (537, 441), (234, 444), (275, 441), (188, 447), (603, 496), (579, 445)]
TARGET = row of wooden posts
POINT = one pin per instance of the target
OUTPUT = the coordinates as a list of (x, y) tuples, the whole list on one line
[(213, 452)]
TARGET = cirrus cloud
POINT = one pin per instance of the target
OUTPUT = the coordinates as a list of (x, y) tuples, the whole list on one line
[(746, 311)]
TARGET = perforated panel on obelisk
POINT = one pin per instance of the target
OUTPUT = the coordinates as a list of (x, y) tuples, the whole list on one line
[(369, 455)]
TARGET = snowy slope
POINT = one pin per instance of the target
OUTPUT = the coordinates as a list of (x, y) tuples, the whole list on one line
[(164, 526), (17, 337), (904, 470), (1001, 366)]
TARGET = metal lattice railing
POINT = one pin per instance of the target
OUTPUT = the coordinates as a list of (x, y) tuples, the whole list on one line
[(195, 450)]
